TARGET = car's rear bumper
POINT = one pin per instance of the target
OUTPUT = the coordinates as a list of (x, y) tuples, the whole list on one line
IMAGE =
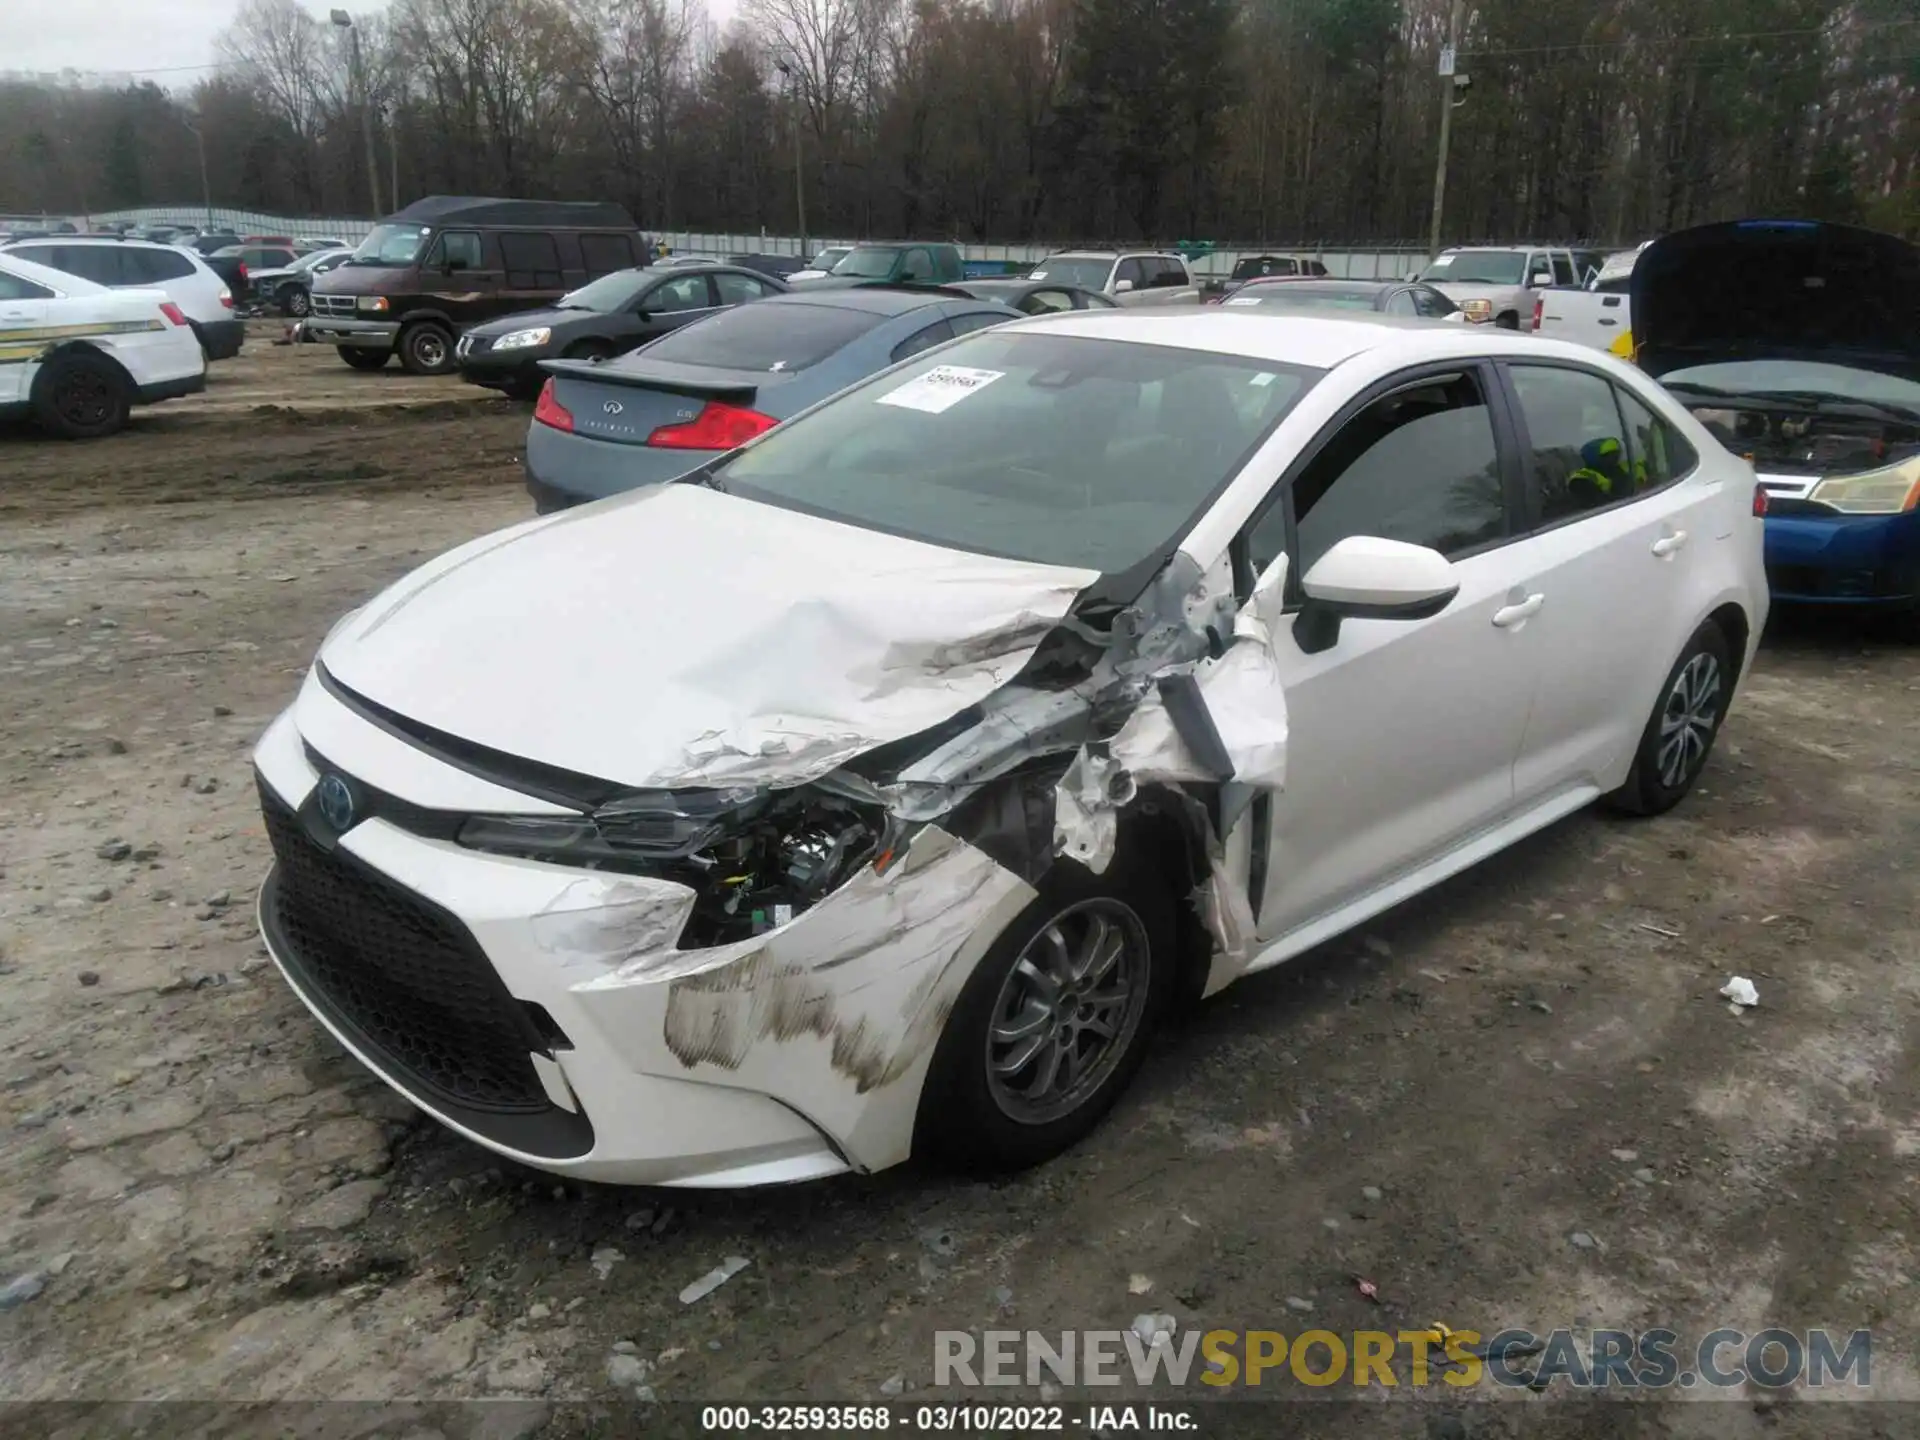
[(223, 338), (363, 334), (567, 469), (157, 390), (1844, 560)]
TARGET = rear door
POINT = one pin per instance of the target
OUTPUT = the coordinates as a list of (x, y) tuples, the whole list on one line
[(1617, 517), (23, 313)]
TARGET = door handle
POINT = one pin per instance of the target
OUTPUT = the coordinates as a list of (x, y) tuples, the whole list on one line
[(1509, 615), (1667, 544), (1609, 322)]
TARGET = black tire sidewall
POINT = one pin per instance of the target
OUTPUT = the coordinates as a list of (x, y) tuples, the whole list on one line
[(959, 1123), (60, 371), (1644, 791), (410, 339)]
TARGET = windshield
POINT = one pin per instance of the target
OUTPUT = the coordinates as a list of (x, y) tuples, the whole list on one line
[(608, 293), (1088, 272), (1058, 449), (828, 258), (1478, 267), (1757, 379), (867, 263), (391, 245), (1306, 297)]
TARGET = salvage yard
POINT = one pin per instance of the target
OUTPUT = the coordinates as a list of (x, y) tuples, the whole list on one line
[(1516, 1101)]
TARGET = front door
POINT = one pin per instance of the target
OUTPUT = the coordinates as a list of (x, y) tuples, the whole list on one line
[(1402, 735)]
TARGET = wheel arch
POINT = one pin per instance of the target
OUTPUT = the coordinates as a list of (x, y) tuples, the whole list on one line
[(70, 347)]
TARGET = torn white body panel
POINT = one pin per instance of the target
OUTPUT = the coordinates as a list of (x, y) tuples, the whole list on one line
[(759, 643)]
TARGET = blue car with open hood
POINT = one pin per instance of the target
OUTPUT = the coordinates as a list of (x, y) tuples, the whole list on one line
[(1797, 343)]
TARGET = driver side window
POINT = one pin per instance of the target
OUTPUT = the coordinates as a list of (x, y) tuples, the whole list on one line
[(1419, 465)]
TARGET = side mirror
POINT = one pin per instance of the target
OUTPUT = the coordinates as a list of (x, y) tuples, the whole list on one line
[(1121, 287), (1541, 278), (1365, 577)]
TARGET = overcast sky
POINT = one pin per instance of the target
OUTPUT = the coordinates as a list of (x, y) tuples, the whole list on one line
[(167, 41)]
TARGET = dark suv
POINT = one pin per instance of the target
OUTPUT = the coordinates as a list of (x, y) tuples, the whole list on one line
[(427, 273)]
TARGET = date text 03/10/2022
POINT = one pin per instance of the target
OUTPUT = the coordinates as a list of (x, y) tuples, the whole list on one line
[(958, 1418)]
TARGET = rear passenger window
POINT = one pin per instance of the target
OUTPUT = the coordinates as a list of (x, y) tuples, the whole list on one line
[(1563, 270), (689, 292), (604, 254), (532, 261), (1579, 455), (986, 319), (1659, 454), (12, 287), (923, 340), (738, 289), (154, 267), (1418, 465), (98, 263)]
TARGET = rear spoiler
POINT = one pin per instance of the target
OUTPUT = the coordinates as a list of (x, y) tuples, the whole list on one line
[(735, 392)]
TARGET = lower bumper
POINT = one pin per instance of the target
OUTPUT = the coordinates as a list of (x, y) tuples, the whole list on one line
[(367, 334), (1844, 560), (172, 389), (567, 469), (794, 1055), (223, 338), (512, 377)]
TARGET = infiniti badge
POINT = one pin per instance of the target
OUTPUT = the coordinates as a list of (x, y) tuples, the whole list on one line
[(336, 802), (614, 407)]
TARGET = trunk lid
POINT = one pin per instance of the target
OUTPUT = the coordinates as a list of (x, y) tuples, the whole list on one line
[(627, 400), (1781, 290)]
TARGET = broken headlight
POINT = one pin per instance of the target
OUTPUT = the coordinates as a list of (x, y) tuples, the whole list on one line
[(754, 857)]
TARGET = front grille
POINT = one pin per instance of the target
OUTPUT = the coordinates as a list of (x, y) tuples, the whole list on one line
[(333, 304), (405, 977)]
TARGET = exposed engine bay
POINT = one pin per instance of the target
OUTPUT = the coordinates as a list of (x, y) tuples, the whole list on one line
[(1794, 441)]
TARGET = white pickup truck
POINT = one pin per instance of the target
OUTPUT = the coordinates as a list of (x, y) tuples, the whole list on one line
[(1597, 314), (1498, 283), (1128, 277)]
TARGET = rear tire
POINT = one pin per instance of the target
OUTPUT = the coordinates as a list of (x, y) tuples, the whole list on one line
[(81, 395), (1680, 733), (1081, 976), (361, 358), (426, 349)]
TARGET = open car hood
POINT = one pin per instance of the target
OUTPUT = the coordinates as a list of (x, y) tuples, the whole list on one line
[(1779, 290), (677, 636)]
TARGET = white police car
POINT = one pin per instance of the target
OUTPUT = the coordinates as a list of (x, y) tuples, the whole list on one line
[(75, 356)]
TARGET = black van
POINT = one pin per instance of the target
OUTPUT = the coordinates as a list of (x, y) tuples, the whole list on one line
[(424, 274)]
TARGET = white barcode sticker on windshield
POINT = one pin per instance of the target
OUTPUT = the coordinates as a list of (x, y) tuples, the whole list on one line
[(1265, 377), (1244, 300), (941, 388)]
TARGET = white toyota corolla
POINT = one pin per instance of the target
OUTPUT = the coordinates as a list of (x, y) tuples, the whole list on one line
[(876, 788)]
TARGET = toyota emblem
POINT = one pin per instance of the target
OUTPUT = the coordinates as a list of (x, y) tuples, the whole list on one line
[(614, 407), (335, 798)]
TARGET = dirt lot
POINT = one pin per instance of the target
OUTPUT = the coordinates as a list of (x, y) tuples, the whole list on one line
[(223, 1206)]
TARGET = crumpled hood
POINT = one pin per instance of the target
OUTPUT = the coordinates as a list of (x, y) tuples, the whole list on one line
[(677, 636), (1780, 290)]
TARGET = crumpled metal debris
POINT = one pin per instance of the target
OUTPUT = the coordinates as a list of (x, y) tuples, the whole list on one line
[(714, 1279)]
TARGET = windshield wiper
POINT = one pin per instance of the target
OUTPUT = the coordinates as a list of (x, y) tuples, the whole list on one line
[(1820, 402)]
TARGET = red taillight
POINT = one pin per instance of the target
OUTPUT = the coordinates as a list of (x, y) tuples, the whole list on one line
[(175, 315), (226, 299), (1760, 500), (243, 268), (1539, 309), (716, 427), (549, 411)]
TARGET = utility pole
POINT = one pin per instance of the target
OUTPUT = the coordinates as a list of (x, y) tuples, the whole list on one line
[(1449, 58), (799, 174), (200, 143), (357, 86), (392, 117)]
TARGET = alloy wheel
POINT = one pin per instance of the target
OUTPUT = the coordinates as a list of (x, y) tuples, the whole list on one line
[(1688, 719), (1068, 1011)]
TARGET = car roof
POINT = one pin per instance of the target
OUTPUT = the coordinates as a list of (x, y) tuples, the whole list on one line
[(1356, 285), (46, 275), (874, 299), (1318, 340)]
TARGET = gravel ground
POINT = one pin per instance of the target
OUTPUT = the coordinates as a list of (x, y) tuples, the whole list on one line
[(219, 1204)]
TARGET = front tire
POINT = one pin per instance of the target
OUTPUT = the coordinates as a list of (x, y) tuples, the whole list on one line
[(361, 358), (426, 349), (1685, 722), (81, 395), (296, 303), (1053, 1023), (1508, 320)]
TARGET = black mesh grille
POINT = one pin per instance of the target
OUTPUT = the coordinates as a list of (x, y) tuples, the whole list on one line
[(400, 972)]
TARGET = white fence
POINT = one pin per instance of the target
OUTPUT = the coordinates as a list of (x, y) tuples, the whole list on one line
[(1366, 264)]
